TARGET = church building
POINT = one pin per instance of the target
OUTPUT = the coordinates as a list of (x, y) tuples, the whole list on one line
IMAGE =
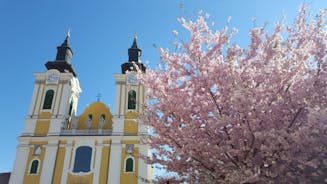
[(98, 146)]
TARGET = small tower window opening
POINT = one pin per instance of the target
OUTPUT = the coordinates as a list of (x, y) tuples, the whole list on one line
[(82, 159), (129, 165), (70, 107), (131, 99), (34, 167), (48, 99)]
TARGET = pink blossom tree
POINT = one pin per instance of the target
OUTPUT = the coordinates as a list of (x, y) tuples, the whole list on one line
[(225, 114)]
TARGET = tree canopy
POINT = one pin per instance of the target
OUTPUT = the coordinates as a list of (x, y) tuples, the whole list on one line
[(225, 114)]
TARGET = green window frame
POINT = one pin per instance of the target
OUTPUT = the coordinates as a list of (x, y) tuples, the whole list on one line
[(129, 167), (34, 167), (48, 99)]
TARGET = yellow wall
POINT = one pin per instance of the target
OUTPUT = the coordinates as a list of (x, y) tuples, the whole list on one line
[(96, 110), (82, 179), (104, 168), (34, 178), (129, 177), (130, 127), (45, 115), (59, 164), (41, 128)]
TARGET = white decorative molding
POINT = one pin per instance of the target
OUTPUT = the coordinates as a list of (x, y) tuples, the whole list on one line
[(37, 149)]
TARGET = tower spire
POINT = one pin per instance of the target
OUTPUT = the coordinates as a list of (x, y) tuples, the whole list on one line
[(134, 54), (66, 42), (64, 55), (134, 45)]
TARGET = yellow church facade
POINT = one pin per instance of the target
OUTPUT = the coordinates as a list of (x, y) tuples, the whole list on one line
[(98, 146)]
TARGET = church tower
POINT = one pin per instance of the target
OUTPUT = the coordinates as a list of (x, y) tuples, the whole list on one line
[(55, 97), (128, 105), (98, 146)]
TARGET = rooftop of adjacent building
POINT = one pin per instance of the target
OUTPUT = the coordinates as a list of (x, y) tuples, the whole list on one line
[(4, 177)]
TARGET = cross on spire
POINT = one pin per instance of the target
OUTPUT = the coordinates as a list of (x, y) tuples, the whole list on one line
[(98, 97), (68, 32)]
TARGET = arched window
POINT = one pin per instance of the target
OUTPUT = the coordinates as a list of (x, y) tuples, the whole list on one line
[(34, 167), (83, 159), (48, 99), (131, 99), (129, 165)]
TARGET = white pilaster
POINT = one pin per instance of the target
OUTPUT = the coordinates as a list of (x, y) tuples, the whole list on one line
[(49, 161), (123, 100), (115, 161), (17, 175), (65, 168), (57, 102), (34, 98), (55, 126), (143, 168), (143, 129), (39, 99), (118, 126), (98, 158), (117, 99), (29, 126), (64, 105)]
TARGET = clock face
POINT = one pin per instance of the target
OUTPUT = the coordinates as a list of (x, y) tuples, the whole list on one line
[(131, 79), (52, 78)]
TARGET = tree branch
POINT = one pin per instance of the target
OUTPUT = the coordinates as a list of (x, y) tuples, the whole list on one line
[(294, 118), (214, 100)]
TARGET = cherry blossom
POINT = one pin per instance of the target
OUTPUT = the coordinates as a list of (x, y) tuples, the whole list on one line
[(225, 114)]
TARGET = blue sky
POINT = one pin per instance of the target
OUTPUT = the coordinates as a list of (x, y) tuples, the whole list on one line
[(101, 33)]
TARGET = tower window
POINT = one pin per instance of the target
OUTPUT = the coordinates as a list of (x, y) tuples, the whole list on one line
[(34, 167), (131, 99), (48, 99), (129, 165), (70, 107), (82, 159)]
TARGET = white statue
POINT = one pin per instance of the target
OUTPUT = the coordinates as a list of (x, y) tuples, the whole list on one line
[(88, 122), (101, 122), (64, 124), (74, 123)]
